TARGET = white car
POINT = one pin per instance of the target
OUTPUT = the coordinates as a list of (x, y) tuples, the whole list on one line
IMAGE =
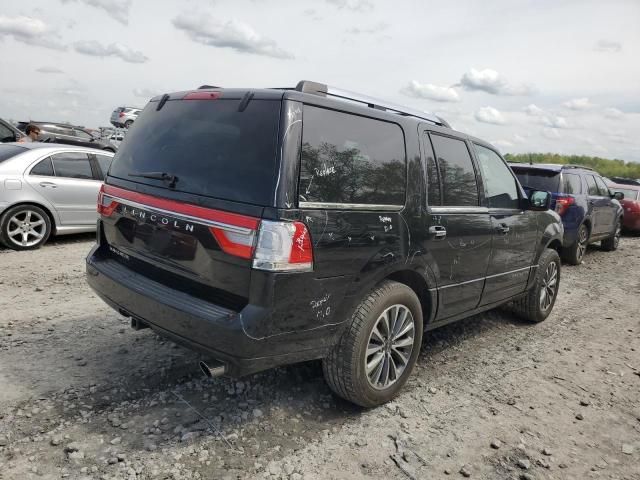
[(48, 189), (124, 117)]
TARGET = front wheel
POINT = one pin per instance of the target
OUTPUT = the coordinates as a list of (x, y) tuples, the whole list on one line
[(24, 227), (538, 302), (610, 244), (379, 348)]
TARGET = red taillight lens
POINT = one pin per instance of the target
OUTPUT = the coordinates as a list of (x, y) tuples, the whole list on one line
[(301, 248), (202, 95), (283, 247), (563, 204), (121, 114), (106, 204), (239, 244)]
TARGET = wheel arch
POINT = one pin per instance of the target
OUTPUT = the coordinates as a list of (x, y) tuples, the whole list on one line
[(46, 210)]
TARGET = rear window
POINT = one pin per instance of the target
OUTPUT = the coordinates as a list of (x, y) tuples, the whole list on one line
[(211, 147), (571, 183), (8, 151), (348, 159), (544, 180)]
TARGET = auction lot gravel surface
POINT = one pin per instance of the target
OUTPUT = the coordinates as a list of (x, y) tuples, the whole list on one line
[(84, 396)]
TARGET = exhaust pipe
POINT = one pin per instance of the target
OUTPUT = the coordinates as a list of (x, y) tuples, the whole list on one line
[(213, 371)]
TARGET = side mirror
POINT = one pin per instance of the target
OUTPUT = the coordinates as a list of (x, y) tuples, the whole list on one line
[(539, 200), (618, 195)]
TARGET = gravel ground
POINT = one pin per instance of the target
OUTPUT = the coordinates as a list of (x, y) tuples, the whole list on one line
[(84, 396)]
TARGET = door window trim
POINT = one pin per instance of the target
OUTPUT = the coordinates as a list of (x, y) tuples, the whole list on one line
[(474, 164)]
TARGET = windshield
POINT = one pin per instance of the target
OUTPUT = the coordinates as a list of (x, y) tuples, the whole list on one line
[(209, 146), (544, 180)]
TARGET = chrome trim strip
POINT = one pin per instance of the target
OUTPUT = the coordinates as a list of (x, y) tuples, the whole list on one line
[(188, 218), (441, 210), (461, 283), (350, 206), (507, 273), (486, 278)]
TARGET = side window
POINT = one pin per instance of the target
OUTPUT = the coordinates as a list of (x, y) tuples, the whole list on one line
[(44, 168), (82, 134), (571, 183), (591, 185), (72, 165), (500, 186), (104, 162), (433, 176), (458, 175), (602, 187), (351, 159), (6, 135)]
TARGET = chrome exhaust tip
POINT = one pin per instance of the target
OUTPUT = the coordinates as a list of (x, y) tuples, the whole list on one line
[(213, 371)]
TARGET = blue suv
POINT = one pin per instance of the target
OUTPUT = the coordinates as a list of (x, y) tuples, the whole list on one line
[(589, 211)]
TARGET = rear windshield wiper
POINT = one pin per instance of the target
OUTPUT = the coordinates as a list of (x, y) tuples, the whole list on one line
[(165, 177)]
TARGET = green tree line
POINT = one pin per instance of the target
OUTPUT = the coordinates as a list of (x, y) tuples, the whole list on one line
[(604, 166)]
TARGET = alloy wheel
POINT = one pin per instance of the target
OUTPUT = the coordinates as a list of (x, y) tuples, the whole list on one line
[(583, 235), (26, 228), (549, 286), (389, 347), (616, 236)]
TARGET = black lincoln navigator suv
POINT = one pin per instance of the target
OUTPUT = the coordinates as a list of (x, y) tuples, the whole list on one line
[(265, 227)]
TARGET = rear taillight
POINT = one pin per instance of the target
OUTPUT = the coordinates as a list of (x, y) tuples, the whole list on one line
[(121, 114), (106, 203), (563, 204), (237, 243), (202, 95), (283, 247)]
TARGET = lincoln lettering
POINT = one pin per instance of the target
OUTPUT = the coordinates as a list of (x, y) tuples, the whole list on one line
[(155, 218)]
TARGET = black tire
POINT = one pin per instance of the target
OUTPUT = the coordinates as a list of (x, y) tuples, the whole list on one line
[(128, 124), (344, 367), (575, 253), (37, 235), (530, 306), (610, 244)]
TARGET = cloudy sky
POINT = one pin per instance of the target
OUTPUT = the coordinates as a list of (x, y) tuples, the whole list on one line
[(559, 76)]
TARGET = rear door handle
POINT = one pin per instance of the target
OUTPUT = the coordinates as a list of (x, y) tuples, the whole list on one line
[(438, 231), (503, 228), (48, 184)]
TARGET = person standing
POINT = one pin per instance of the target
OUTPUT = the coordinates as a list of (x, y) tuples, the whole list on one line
[(32, 132)]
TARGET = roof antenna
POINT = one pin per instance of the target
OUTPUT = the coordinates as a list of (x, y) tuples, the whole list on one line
[(245, 101)]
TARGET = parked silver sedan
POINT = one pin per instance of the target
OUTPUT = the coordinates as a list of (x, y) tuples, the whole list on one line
[(48, 189)]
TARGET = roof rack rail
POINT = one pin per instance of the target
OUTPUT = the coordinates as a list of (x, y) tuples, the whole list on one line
[(573, 165), (316, 88)]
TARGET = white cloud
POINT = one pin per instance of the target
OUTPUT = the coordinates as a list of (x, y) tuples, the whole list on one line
[(492, 82), (361, 6), (47, 69), (489, 115), (145, 92), (578, 104), (123, 52), (502, 143), (551, 133), (429, 91), (533, 110), (555, 122), (232, 34), (612, 113), (377, 28), (116, 9), (31, 31), (607, 46)]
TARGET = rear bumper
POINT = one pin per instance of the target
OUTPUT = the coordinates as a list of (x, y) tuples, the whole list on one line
[(199, 325)]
